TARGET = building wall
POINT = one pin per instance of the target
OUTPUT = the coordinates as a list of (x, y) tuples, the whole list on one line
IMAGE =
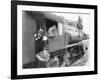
[(28, 44)]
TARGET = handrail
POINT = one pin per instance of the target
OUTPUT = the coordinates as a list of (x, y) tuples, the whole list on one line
[(75, 44), (70, 45)]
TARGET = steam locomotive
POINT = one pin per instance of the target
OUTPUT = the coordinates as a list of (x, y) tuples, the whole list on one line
[(64, 50)]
